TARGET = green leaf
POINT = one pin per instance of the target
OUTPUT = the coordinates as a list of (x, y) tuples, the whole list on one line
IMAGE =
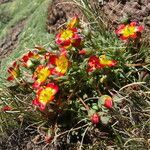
[(101, 113), (83, 108), (95, 107), (91, 112), (100, 103), (50, 132), (86, 32), (104, 109), (50, 110), (105, 119)]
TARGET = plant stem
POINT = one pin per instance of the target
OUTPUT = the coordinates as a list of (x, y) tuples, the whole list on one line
[(85, 105)]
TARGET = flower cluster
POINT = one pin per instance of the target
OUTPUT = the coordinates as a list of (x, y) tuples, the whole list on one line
[(45, 67), (55, 73)]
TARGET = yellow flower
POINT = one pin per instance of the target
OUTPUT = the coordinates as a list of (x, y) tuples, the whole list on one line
[(67, 34), (68, 38), (132, 30), (106, 62), (61, 65), (40, 75), (45, 95), (128, 30), (74, 22)]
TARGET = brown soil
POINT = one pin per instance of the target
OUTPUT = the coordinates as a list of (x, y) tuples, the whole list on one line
[(8, 44), (137, 10), (116, 10), (4, 1), (59, 11)]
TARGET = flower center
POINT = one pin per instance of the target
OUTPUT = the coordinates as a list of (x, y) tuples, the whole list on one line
[(62, 64), (103, 60), (46, 95), (14, 73), (129, 30), (43, 74), (67, 34)]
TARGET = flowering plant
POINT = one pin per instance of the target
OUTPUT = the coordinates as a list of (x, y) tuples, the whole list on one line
[(129, 31), (55, 73), (75, 74)]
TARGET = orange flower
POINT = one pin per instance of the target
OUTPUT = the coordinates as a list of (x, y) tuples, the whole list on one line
[(45, 95), (132, 30), (14, 71), (104, 62), (68, 38), (73, 23), (26, 59), (97, 63), (93, 63), (40, 75), (61, 64)]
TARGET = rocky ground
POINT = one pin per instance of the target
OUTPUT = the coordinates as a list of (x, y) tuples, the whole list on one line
[(59, 12), (116, 10), (138, 10)]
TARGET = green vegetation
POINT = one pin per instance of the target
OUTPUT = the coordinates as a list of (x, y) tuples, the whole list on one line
[(34, 31)]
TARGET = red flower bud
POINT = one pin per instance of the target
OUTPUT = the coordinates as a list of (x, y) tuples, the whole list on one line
[(48, 139), (108, 103), (6, 108), (82, 52), (95, 118)]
